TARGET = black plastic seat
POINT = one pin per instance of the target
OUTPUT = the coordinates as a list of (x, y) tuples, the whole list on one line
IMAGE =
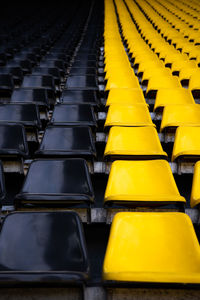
[(54, 64), (59, 56), (34, 96), (27, 56), (83, 71), (13, 140), (33, 50), (54, 72), (73, 115), (3, 59), (79, 97), (63, 181), (25, 65), (84, 64), (16, 73), (41, 82), (2, 183), (86, 56), (6, 85), (61, 141), (87, 82), (25, 114), (44, 247)]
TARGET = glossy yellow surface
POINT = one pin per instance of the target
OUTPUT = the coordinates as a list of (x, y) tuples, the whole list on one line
[(173, 96), (195, 193), (143, 141), (194, 81), (186, 73), (143, 180), (128, 115), (180, 115), (186, 142), (125, 96), (155, 72), (120, 80), (163, 82), (152, 247)]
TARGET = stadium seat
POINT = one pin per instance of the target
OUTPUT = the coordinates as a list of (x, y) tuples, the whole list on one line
[(194, 84), (61, 141), (25, 114), (162, 82), (46, 256), (125, 96), (128, 115), (35, 96), (83, 82), (2, 183), (195, 193), (25, 65), (54, 72), (133, 143), (152, 248), (41, 82), (16, 73), (165, 97), (186, 144), (79, 97), (141, 183), (180, 115), (6, 85), (13, 141), (63, 181), (73, 115), (83, 71)]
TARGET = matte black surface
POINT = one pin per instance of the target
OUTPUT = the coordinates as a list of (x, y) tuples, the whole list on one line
[(24, 64), (13, 140), (48, 71), (54, 64), (36, 96), (79, 97), (87, 82), (2, 183), (44, 247), (64, 181), (83, 71), (67, 141), (25, 114), (6, 84), (84, 64), (16, 73), (81, 114), (37, 81)]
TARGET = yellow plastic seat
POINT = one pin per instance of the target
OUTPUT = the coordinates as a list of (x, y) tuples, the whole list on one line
[(195, 193), (186, 143), (194, 84), (128, 115), (178, 65), (152, 247), (120, 80), (125, 97), (146, 65), (143, 182), (174, 56), (155, 72), (163, 82), (166, 97), (180, 115), (133, 143), (185, 73)]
